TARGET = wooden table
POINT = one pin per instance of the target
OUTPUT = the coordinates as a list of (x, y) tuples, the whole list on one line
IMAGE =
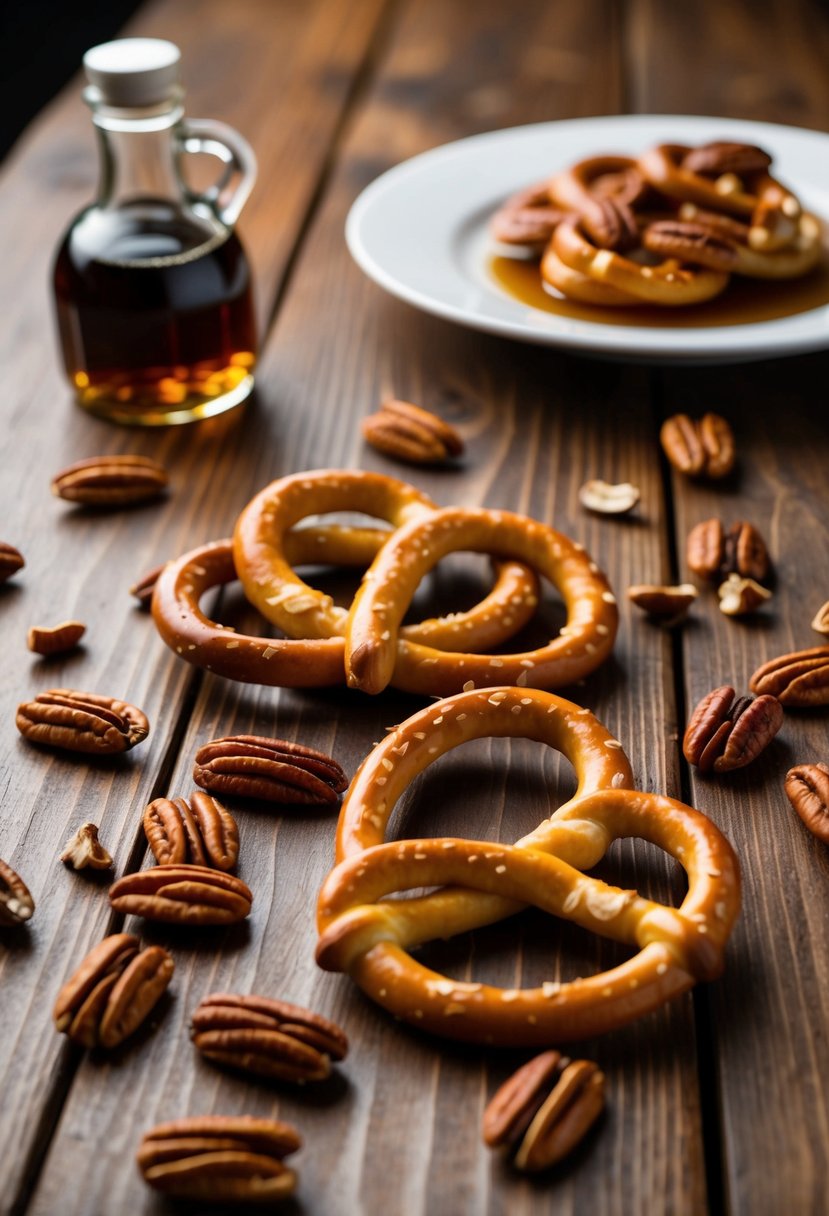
[(717, 1103)]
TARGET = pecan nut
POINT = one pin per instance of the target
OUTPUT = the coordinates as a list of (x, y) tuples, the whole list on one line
[(723, 156), (820, 621), (143, 589), (545, 1109), (112, 992), (725, 734), (272, 770), (691, 242), (609, 222), (607, 498), (799, 680), (407, 432), (807, 789), (701, 447), (267, 1038), (713, 553), (199, 831), (111, 481), (669, 605), (527, 218), (85, 850), (232, 1159), (16, 903), (11, 560), (55, 640), (81, 722), (741, 596), (183, 895)]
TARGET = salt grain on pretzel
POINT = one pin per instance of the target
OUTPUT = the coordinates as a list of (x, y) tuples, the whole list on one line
[(369, 936)]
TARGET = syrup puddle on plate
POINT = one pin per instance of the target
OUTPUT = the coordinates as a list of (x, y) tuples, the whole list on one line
[(744, 301)]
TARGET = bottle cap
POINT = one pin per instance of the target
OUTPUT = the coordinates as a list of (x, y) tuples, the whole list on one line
[(133, 71)]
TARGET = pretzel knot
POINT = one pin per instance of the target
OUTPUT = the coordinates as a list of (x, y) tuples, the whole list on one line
[(369, 936)]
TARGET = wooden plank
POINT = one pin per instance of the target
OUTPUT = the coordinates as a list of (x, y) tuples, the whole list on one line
[(537, 425), (81, 564)]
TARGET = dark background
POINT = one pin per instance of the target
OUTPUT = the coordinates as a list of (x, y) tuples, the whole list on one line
[(44, 43)]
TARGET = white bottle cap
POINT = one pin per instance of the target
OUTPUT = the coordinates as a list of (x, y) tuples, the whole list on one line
[(133, 71)]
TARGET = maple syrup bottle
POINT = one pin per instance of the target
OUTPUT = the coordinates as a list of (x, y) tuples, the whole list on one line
[(152, 285)]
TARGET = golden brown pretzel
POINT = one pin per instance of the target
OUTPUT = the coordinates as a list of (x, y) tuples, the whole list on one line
[(369, 937), (671, 282), (319, 662), (602, 190), (391, 581)]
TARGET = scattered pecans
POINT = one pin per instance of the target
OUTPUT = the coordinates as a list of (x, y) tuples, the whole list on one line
[(16, 903), (407, 432), (111, 481), (800, 680), (85, 851), (182, 895), (712, 553), (668, 605), (81, 722), (699, 447), (199, 831), (112, 992), (545, 1109), (143, 589), (807, 789), (11, 560), (272, 770), (820, 621), (56, 640), (609, 499), (740, 596), (724, 734)]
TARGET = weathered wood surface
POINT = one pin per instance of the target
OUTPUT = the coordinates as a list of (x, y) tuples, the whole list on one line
[(332, 96)]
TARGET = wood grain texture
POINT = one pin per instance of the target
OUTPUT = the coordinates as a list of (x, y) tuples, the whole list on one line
[(400, 1132), (79, 563)]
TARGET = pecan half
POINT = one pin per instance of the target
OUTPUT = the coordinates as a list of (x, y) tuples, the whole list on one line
[(81, 722), (820, 621), (741, 596), (182, 894), (723, 225), (669, 605), (609, 222), (267, 1038), (143, 589), (57, 639), (85, 850), (545, 1109), (111, 481), (233, 1159), (200, 831), (724, 734), (407, 432), (11, 560), (705, 547), (691, 242), (722, 156), (799, 680), (527, 218), (16, 903), (699, 447), (807, 789), (112, 992), (713, 553), (609, 499), (272, 770)]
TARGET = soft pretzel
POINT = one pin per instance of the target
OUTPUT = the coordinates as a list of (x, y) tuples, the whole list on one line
[(369, 937), (603, 191), (319, 662), (391, 581), (671, 282)]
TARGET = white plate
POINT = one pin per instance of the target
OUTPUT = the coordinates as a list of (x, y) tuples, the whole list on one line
[(420, 231)]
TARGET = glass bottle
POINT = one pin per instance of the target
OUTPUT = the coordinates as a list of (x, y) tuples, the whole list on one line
[(152, 285)]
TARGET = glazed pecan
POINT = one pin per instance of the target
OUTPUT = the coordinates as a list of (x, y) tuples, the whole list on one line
[(609, 222), (11, 560), (111, 481), (724, 734), (609, 499), (182, 894), (16, 903), (667, 604), (112, 992), (713, 553), (722, 225), (699, 447), (691, 242), (200, 831), (528, 218), (799, 680), (85, 850), (820, 621), (545, 1109), (807, 788), (266, 1037), (143, 589), (57, 639), (722, 156), (741, 596), (272, 770), (81, 722), (407, 432), (232, 1159)]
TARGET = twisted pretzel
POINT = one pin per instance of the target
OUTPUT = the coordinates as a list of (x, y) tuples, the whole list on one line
[(318, 662), (369, 937)]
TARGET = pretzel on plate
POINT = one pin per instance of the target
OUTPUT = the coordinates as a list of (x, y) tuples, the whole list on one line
[(318, 662), (581, 287), (603, 191), (372, 655), (369, 937)]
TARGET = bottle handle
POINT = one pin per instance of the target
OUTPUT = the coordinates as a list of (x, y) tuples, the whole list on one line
[(226, 196)]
